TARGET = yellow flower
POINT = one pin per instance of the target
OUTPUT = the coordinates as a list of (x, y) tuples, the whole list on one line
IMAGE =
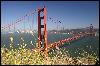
[(11, 38), (17, 63), (31, 42)]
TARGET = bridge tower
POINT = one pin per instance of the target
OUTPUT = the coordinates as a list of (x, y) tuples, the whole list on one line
[(42, 38), (91, 30)]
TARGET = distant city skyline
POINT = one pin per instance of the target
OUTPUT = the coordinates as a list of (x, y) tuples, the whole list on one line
[(72, 14)]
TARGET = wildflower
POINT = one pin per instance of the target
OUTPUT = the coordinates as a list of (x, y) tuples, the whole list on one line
[(17, 31), (31, 32), (11, 38), (31, 42), (57, 48)]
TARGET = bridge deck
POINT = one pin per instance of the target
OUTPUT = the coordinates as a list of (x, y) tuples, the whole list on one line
[(61, 42)]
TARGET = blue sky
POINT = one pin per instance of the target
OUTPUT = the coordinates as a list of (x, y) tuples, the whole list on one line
[(72, 14)]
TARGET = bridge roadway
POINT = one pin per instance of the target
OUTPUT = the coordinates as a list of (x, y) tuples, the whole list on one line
[(61, 42)]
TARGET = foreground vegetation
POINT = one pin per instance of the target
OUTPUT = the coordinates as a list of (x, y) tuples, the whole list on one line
[(24, 56)]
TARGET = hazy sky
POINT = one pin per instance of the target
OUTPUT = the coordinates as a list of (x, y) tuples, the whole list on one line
[(73, 14)]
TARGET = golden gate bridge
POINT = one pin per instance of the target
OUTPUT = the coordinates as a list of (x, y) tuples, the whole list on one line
[(42, 30)]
